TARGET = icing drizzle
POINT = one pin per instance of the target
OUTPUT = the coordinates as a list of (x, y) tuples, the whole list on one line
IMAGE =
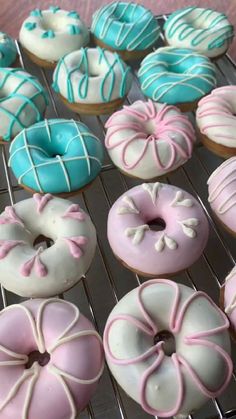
[(36, 264), (7, 245), (42, 201), (137, 233), (10, 217), (75, 244), (152, 189), (74, 212), (129, 208)]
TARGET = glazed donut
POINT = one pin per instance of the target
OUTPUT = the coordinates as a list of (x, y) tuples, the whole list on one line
[(155, 253), (168, 378), (148, 139), (44, 272), (23, 101), (57, 155), (8, 51), (92, 80), (128, 28), (51, 360), (228, 294), (176, 76), (48, 35), (202, 30), (217, 122), (222, 194)]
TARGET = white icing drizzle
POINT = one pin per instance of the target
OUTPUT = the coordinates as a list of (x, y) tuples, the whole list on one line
[(187, 226), (152, 189), (180, 201), (21, 359), (67, 392), (164, 241), (222, 184), (137, 233), (129, 208), (232, 305)]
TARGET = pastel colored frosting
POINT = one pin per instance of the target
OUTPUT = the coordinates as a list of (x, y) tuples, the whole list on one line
[(52, 33), (151, 252), (222, 193), (55, 331), (44, 272), (148, 139), (92, 75), (176, 75), (198, 368), (230, 297), (8, 51), (22, 103), (203, 30), (56, 155), (125, 26), (216, 116)]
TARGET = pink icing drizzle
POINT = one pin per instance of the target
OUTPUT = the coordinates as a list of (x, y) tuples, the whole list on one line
[(75, 244), (7, 245), (34, 263), (164, 125), (42, 201), (150, 328), (74, 212), (10, 217)]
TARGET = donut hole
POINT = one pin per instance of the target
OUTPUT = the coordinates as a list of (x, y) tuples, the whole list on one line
[(168, 339), (55, 24), (122, 17), (36, 356), (91, 71), (157, 225), (42, 241)]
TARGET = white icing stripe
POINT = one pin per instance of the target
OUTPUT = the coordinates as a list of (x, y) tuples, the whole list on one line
[(67, 178), (86, 154), (21, 359), (54, 369), (48, 130), (220, 168), (31, 162), (67, 392)]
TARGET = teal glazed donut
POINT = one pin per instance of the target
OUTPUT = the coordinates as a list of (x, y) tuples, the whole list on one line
[(176, 76), (125, 26), (8, 51), (56, 156)]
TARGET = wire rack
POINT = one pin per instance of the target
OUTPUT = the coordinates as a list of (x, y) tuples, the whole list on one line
[(107, 280)]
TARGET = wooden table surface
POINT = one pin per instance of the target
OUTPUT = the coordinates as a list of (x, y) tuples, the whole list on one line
[(13, 12)]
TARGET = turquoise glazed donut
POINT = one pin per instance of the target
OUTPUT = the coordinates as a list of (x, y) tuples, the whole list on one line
[(176, 76), (8, 51), (124, 26), (56, 156)]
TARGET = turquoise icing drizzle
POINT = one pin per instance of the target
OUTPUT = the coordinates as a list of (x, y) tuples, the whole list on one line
[(125, 26), (174, 75), (15, 119), (83, 85), (54, 9), (36, 12), (73, 29), (56, 155), (73, 14), (48, 34), (30, 26), (8, 51)]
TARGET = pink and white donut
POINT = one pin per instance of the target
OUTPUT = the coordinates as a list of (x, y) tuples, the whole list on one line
[(147, 139), (51, 359), (229, 298), (155, 253)]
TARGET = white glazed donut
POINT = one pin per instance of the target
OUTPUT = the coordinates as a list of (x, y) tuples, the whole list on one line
[(44, 272), (168, 379), (50, 34)]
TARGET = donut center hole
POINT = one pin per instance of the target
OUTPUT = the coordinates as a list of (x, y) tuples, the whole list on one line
[(90, 71), (168, 339), (157, 225), (57, 24), (42, 241), (36, 356), (150, 128)]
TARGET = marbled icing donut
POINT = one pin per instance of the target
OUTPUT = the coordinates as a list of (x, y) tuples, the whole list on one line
[(229, 298), (222, 193), (8, 51), (157, 253), (149, 139), (51, 360), (59, 156), (168, 380), (176, 76), (44, 272), (203, 30), (22, 103)]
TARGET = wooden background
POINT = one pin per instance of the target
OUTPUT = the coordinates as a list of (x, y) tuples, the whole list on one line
[(13, 12)]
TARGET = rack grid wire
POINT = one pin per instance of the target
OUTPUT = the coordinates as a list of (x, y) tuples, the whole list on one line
[(107, 280)]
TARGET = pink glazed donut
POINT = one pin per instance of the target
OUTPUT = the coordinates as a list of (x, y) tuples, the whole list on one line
[(228, 294), (156, 253), (51, 359)]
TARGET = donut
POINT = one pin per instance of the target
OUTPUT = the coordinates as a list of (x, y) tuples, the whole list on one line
[(168, 347), (92, 81), (48, 35), (134, 220), (51, 360), (8, 51), (58, 156), (31, 272), (222, 194), (23, 102), (147, 139), (216, 121), (176, 76), (202, 30), (127, 28), (228, 299)]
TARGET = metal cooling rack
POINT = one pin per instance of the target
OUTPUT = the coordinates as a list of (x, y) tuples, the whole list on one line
[(107, 280)]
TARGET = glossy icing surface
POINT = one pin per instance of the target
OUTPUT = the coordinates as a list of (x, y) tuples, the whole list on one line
[(44, 272), (216, 116), (92, 75), (56, 155), (173, 249), (148, 139), (203, 30), (50, 34), (62, 387), (8, 51), (230, 297), (200, 366), (222, 192), (125, 26), (174, 75), (22, 102)]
